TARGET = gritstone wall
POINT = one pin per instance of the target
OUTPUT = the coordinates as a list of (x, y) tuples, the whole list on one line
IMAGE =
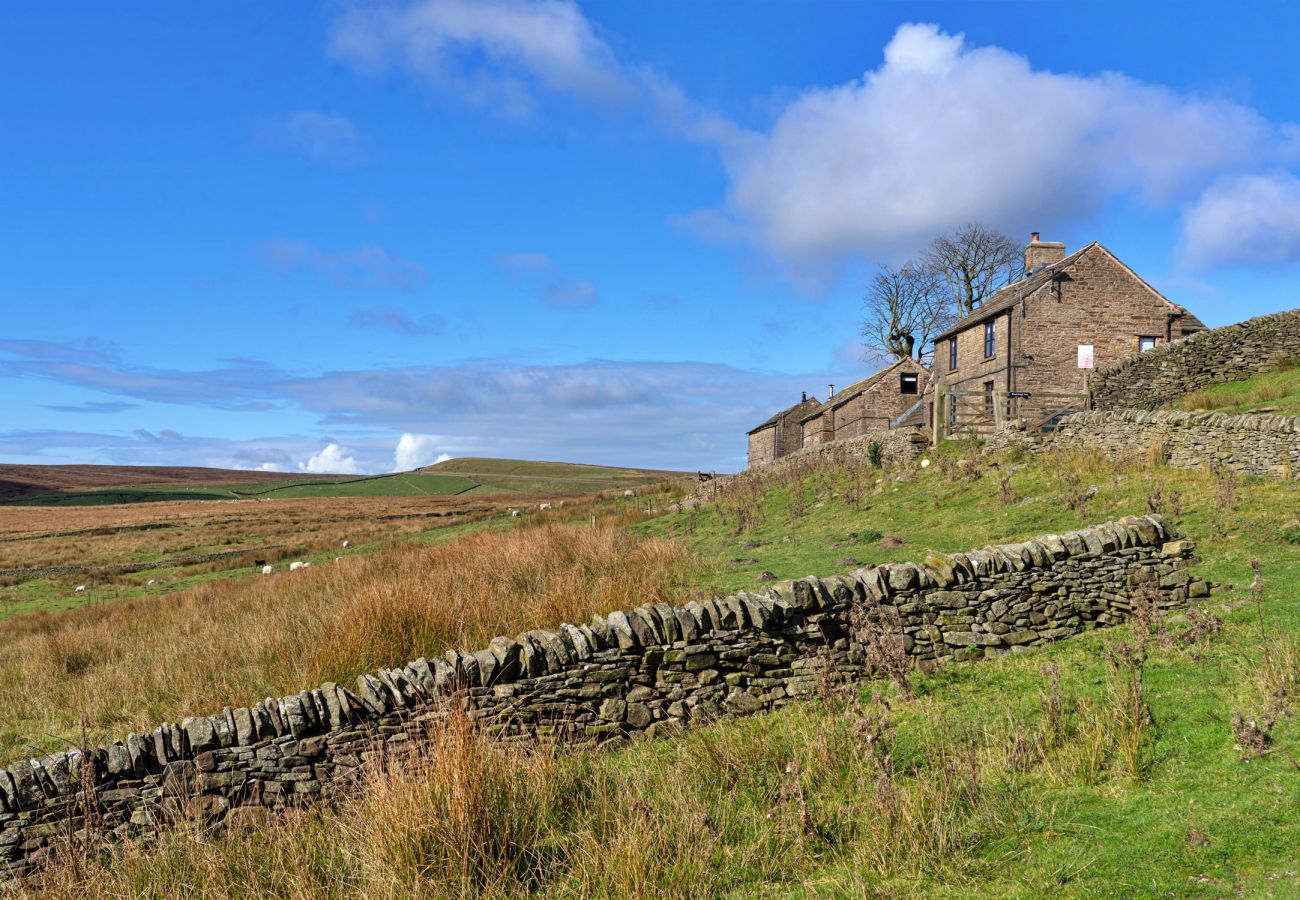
[(1246, 444), (896, 446), (1151, 379), (650, 671)]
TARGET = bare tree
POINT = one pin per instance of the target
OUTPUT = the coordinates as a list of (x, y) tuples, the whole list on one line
[(905, 309), (973, 262)]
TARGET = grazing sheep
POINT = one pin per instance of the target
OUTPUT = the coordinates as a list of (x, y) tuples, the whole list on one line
[(347, 544), (267, 570), (81, 589), (629, 493), (514, 513), (151, 582), (544, 506), (296, 565), (338, 559)]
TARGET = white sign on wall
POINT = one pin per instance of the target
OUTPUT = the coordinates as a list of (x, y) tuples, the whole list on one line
[(1085, 356)]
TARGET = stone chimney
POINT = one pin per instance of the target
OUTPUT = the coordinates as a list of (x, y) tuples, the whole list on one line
[(1041, 253)]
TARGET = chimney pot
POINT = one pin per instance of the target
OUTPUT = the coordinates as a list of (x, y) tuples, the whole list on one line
[(805, 397), (1040, 253), (831, 391)]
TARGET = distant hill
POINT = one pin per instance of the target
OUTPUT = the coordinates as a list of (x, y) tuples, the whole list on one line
[(102, 485), (516, 476), (19, 482)]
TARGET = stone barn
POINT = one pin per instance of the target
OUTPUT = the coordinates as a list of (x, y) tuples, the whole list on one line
[(1066, 317), (780, 435), (868, 405)]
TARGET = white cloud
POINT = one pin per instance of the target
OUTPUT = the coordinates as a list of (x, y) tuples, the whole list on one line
[(489, 52), (942, 133), (415, 451), (320, 137), (332, 460), (1244, 220), (367, 266)]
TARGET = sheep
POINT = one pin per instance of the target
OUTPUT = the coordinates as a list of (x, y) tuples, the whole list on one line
[(347, 544), (544, 506), (338, 559), (514, 513), (298, 564), (629, 493), (267, 570), (81, 589), (151, 582)]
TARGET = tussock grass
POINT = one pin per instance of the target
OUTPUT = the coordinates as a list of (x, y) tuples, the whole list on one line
[(133, 664)]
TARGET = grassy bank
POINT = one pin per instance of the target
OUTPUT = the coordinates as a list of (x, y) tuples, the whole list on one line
[(1157, 759)]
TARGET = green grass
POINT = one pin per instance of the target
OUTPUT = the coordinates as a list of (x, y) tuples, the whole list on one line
[(533, 477), (1115, 836), (1277, 391), (717, 813)]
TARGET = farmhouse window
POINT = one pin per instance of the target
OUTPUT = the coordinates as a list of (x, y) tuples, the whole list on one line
[(1146, 343), (952, 355), (907, 383), (990, 339)]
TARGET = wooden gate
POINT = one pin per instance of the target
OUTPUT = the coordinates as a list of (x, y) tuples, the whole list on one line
[(980, 413)]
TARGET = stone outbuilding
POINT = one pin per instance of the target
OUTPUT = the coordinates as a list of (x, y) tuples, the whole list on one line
[(1048, 331), (871, 404), (780, 435)]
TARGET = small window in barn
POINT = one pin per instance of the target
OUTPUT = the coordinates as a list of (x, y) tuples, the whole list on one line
[(952, 355), (1146, 343), (907, 383), (990, 339)]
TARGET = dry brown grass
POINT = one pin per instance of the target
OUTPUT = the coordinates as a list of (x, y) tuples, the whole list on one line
[(125, 533), (130, 665)]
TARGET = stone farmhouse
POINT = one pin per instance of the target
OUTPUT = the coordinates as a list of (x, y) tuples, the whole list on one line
[(780, 435), (1066, 317), (1039, 337), (868, 405)]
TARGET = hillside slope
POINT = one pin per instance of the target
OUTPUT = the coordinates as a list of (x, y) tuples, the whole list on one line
[(529, 477)]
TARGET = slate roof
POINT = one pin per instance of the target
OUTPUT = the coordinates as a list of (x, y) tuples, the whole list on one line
[(858, 387), (1016, 291), (778, 415)]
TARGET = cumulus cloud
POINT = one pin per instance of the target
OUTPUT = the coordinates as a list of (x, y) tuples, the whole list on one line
[(332, 460), (367, 266), (415, 451), (320, 137), (943, 133), (488, 52), (1244, 220)]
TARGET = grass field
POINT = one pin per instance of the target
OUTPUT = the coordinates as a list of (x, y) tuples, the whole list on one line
[(1276, 392), (1017, 776), (459, 476), (521, 476)]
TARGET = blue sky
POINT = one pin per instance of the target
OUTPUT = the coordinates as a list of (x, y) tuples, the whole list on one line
[(359, 237)]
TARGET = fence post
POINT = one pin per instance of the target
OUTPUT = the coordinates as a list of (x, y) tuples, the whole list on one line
[(941, 401), (1000, 402)]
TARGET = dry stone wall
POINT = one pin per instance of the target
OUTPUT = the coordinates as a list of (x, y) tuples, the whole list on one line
[(1152, 379), (1262, 445), (650, 671), (1246, 444)]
